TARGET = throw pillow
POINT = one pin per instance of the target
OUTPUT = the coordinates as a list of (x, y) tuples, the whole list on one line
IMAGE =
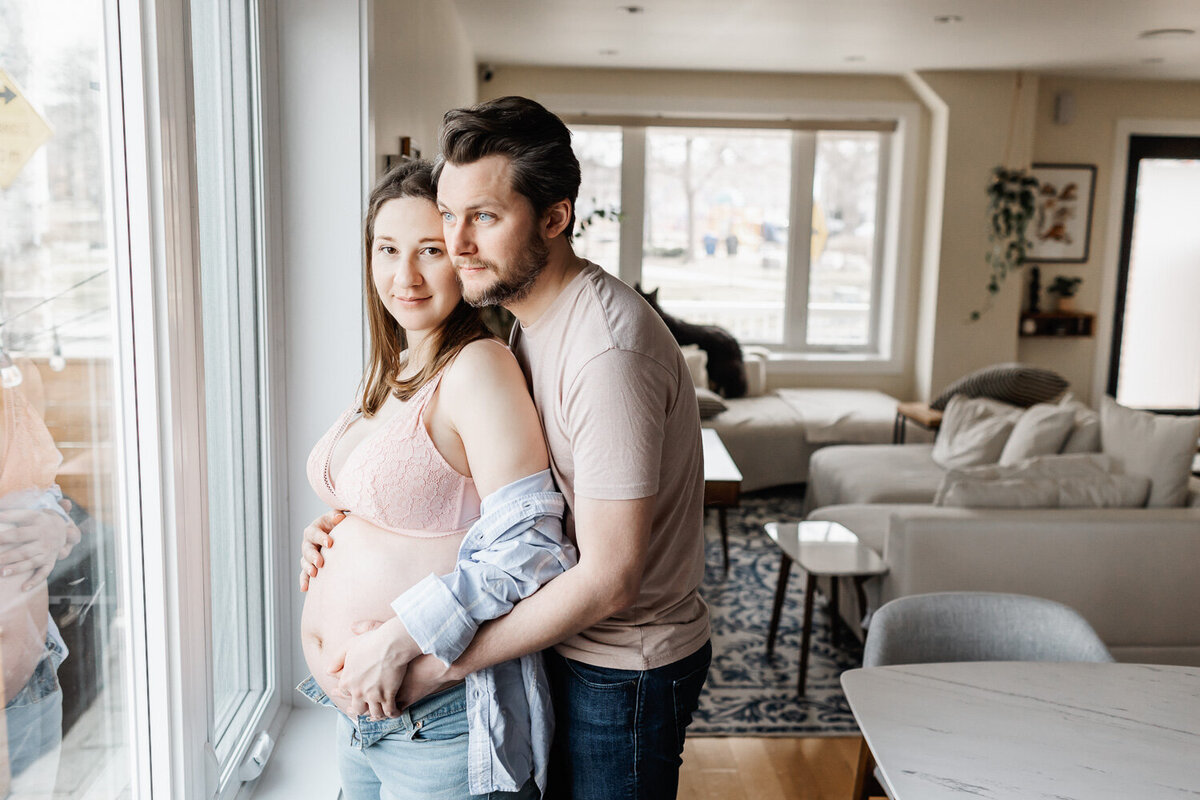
[(711, 403), (973, 431), (1040, 431), (1039, 469), (697, 362), (756, 369), (1085, 431), (1159, 446), (1106, 491), (1017, 384)]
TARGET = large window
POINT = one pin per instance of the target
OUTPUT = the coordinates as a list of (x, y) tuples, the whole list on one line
[(230, 203), (138, 639), (65, 636), (718, 208)]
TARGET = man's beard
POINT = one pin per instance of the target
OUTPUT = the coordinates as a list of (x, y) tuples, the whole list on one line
[(514, 281)]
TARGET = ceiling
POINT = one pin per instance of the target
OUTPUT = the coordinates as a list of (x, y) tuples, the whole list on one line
[(1098, 38)]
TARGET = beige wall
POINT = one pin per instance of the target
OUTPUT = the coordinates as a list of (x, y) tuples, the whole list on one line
[(421, 64), (1091, 139), (736, 89), (990, 121)]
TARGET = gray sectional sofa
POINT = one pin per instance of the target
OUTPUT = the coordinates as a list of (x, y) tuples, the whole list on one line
[(1133, 573)]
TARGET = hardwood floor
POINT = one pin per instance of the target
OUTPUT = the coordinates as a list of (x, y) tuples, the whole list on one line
[(747, 768)]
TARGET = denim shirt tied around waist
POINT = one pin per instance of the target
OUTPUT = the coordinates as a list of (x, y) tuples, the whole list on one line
[(516, 546)]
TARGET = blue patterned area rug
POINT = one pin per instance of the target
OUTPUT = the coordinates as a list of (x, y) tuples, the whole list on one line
[(748, 694)]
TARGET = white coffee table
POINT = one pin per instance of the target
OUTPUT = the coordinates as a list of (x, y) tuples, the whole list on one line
[(822, 549)]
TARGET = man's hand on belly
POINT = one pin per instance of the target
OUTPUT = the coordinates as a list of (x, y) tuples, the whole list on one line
[(426, 675), (371, 670)]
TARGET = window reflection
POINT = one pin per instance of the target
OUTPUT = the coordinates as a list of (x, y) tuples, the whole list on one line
[(62, 630)]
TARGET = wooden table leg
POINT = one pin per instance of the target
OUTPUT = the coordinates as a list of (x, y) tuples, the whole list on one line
[(785, 567), (810, 589), (864, 780), (724, 536)]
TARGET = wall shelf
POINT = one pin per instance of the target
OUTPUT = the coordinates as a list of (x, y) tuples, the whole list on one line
[(1057, 324)]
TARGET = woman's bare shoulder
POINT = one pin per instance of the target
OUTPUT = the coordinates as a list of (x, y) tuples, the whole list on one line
[(483, 365)]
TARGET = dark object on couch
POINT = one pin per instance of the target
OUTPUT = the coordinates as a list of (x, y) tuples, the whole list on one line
[(1018, 384), (726, 369)]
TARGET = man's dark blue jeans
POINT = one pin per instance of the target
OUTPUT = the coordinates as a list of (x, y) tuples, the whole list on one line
[(619, 733)]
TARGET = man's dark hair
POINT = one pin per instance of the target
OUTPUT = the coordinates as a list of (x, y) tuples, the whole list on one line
[(535, 141)]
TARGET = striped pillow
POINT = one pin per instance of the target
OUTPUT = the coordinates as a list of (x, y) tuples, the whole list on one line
[(711, 403), (1018, 384)]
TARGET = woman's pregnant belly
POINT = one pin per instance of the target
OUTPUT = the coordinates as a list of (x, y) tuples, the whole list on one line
[(365, 570), (23, 622)]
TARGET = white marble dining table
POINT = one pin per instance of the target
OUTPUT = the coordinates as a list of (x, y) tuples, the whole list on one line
[(1031, 730)]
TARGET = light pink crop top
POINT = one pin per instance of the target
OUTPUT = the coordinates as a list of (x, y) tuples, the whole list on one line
[(396, 478)]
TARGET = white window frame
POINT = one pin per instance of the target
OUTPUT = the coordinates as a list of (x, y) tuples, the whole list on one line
[(884, 352), (160, 381)]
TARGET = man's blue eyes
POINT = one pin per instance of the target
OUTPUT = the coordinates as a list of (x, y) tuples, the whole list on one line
[(481, 216)]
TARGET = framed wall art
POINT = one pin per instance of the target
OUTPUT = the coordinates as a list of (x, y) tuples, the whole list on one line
[(1062, 221)]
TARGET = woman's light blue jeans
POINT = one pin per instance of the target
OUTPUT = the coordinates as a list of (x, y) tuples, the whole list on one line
[(420, 755)]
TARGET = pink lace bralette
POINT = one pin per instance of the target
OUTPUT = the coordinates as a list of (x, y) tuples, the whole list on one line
[(395, 478)]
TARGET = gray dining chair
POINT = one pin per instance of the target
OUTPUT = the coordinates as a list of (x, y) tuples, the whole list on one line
[(971, 626), (978, 626)]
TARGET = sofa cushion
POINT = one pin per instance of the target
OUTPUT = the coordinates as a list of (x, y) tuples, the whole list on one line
[(872, 473), (973, 431), (1018, 384), (1158, 446), (1106, 491), (1077, 480), (1085, 431), (1041, 430)]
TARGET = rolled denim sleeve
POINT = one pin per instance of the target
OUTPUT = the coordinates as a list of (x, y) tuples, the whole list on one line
[(515, 547)]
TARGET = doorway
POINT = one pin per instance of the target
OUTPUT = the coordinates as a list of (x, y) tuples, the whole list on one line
[(1155, 356)]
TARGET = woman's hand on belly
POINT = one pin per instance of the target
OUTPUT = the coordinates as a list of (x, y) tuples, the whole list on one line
[(317, 536), (372, 669)]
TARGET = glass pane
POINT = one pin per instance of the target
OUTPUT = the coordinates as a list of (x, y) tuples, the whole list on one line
[(842, 267), (716, 227), (1160, 343), (62, 641), (229, 279), (597, 226)]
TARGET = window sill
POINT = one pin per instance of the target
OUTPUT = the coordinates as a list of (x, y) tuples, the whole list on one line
[(792, 363), (303, 763)]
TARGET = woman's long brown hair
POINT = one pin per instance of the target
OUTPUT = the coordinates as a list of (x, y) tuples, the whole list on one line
[(388, 340)]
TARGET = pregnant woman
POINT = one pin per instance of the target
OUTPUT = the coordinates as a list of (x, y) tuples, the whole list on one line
[(442, 419)]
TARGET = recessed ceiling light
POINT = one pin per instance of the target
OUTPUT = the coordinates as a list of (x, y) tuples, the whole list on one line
[(856, 58), (1167, 33), (608, 52), (632, 9), (946, 19)]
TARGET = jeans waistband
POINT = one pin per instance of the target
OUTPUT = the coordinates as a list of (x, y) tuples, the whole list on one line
[(440, 704), (44, 680)]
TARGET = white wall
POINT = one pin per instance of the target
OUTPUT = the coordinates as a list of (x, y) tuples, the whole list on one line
[(347, 70), (421, 66), (322, 138)]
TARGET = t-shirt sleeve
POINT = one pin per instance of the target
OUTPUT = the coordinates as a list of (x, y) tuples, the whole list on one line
[(615, 413)]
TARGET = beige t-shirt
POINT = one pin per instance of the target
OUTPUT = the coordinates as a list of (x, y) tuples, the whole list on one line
[(621, 422)]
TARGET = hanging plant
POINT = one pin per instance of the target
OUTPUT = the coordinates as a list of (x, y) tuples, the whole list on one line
[(1012, 195)]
